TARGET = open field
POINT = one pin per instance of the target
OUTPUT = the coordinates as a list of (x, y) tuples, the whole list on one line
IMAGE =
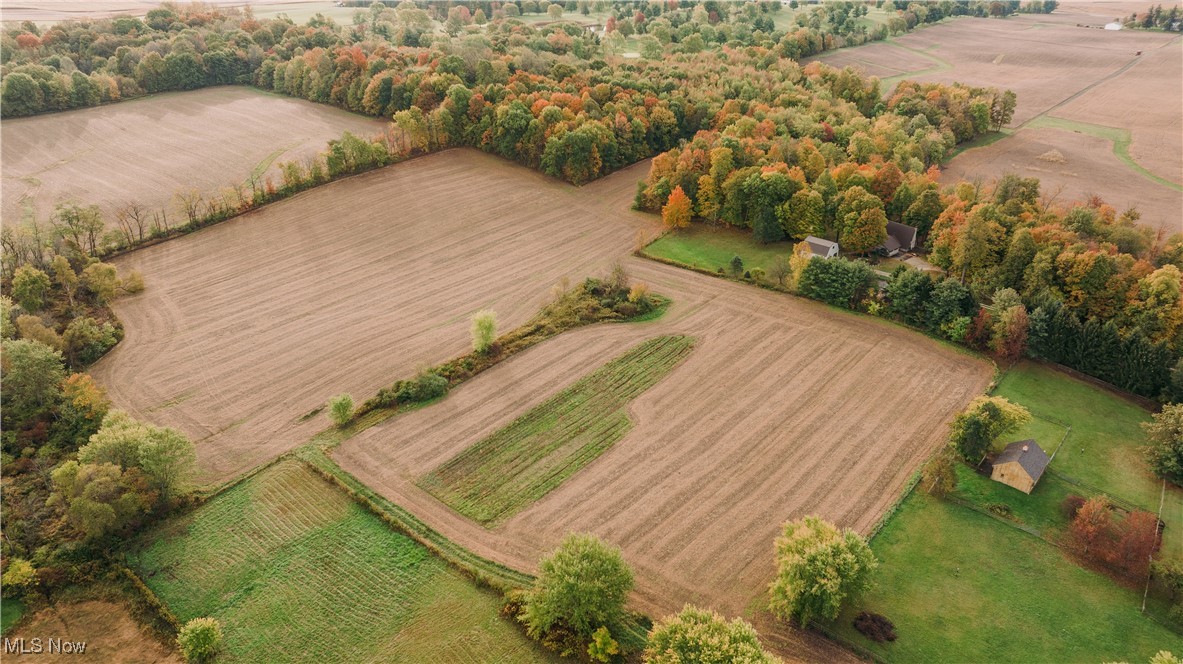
[(1103, 448), (164, 144), (710, 248), (112, 636), (695, 495), (249, 325), (296, 571), (1067, 73), (956, 581), (506, 472)]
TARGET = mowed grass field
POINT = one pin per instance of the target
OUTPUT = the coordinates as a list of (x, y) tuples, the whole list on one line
[(784, 408), (504, 473), (298, 572), (956, 581), (710, 248), (1103, 450), (163, 144)]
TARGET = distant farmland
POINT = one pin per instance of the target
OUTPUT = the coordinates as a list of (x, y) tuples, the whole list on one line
[(298, 572), (1110, 114), (163, 144)]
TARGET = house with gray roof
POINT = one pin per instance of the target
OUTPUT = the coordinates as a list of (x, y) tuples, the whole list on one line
[(821, 248), (1020, 465), (900, 238)]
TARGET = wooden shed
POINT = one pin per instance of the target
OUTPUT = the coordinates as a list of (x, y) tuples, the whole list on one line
[(1020, 465)]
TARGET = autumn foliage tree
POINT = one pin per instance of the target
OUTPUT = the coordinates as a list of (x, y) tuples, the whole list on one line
[(1125, 545), (676, 212)]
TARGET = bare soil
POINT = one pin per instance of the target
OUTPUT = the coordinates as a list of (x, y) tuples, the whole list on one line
[(111, 635), (1148, 100), (785, 408), (164, 144), (251, 324)]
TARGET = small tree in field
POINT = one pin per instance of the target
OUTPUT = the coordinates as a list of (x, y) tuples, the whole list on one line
[(735, 267), (939, 476), (705, 637), (341, 409), (818, 568), (484, 331), (582, 585), (200, 639), (676, 212), (976, 428)]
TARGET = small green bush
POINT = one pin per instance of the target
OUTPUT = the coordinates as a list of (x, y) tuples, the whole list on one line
[(200, 639), (484, 331), (341, 409), (424, 387)]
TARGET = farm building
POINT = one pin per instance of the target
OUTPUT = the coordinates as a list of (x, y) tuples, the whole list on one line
[(822, 248), (1020, 465), (900, 237)]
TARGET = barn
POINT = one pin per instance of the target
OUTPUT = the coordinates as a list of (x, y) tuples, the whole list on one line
[(1020, 465), (821, 248)]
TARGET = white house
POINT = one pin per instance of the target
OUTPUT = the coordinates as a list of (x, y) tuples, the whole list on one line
[(821, 248)]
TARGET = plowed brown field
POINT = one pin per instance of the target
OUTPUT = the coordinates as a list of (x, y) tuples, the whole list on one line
[(205, 139), (784, 408), (250, 324)]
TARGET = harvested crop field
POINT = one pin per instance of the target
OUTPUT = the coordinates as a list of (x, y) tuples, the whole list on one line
[(249, 325), (110, 633), (1043, 59), (1081, 165), (163, 144), (785, 408), (298, 572)]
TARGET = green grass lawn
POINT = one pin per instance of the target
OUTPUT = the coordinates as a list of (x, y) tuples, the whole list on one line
[(506, 472), (1104, 447), (710, 248), (11, 611), (962, 587), (298, 572)]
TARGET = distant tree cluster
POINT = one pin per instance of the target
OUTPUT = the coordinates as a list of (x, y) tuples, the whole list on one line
[(1155, 17)]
